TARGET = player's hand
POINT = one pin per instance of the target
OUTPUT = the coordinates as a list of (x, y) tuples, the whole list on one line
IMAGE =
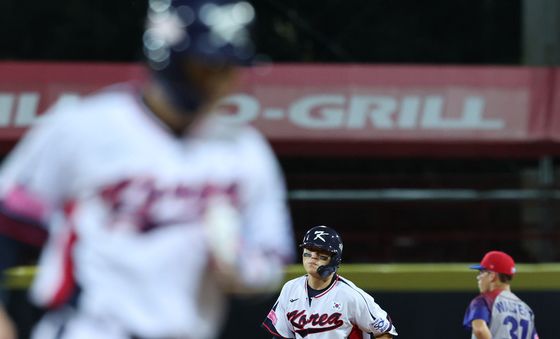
[(223, 229), (7, 327), (239, 268)]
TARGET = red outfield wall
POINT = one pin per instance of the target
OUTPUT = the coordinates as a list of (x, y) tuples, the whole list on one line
[(340, 109)]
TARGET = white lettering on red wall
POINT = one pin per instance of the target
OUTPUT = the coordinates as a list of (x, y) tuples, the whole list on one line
[(327, 103), (20, 110), (357, 112)]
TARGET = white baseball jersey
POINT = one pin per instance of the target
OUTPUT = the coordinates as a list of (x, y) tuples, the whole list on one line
[(132, 211), (341, 311), (507, 316)]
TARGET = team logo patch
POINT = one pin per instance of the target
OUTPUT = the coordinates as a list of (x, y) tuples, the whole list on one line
[(319, 235), (337, 306), (380, 325), (272, 316)]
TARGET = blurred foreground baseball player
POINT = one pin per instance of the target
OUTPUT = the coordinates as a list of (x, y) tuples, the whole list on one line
[(155, 208), (497, 312), (323, 304)]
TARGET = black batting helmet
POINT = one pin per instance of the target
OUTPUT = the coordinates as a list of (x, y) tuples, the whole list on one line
[(215, 32), (326, 239)]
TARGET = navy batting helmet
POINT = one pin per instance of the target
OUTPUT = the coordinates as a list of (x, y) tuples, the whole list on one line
[(214, 32), (326, 239)]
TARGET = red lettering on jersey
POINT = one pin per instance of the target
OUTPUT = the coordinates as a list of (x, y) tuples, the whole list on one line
[(319, 322), (144, 205)]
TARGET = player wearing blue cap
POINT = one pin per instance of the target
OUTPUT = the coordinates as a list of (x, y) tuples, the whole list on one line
[(497, 312), (155, 208)]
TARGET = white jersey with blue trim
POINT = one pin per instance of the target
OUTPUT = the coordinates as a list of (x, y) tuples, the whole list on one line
[(133, 212), (341, 311)]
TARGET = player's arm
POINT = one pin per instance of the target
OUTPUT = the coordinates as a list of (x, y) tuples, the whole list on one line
[(477, 316), (268, 242), (33, 178), (370, 317), (276, 323), (480, 330), (7, 327)]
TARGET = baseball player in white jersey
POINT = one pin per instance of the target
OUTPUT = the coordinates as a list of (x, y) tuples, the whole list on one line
[(323, 304), (497, 312), (155, 209)]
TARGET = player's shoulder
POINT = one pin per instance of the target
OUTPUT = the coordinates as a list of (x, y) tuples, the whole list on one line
[(220, 128), (481, 299), (485, 299), (101, 105), (294, 285), (111, 100), (352, 290), (348, 284), (510, 296), (491, 296), (296, 282), (506, 294), (247, 142)]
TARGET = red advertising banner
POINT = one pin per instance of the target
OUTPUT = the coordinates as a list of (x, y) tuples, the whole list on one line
[(29, 89), (326, 109), (554, 111)]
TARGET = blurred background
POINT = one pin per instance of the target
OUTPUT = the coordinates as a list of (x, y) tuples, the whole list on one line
[(454, 204), (437, 199), (353, 31)]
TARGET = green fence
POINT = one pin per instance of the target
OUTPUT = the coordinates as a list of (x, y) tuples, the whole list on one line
[(438, 277), (424, 300), (393, 277)]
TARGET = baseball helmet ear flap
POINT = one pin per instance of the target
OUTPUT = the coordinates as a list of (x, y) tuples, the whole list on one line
[(326, 239), (326, 270)]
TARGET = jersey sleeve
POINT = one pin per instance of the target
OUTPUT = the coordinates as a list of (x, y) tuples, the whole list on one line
[(477, 309), (276, 322), (35, 176), (370, 317), (265, 215)]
